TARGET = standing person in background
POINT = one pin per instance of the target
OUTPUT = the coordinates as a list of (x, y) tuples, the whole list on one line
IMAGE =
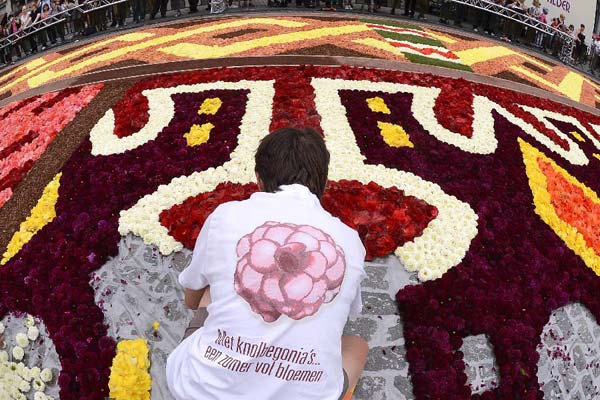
[(486, 20), (36, 15), (193, 6), (595, 53), (119, 14), (580, 47), (5, 53), (535, 12), (176, 5), (539, 37), (423, 8), (13, 27), (139, 10), (57, 8), (557, 42), (46, 12), (162, 5), (30, 46), (122, 10), (409, 8), (77, 17), (514, 29), (446, 10)]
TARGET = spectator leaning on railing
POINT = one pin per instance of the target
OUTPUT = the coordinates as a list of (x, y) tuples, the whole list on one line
[(539, 36)]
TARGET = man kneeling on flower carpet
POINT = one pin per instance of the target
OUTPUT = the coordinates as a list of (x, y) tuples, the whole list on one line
[(273, 280)]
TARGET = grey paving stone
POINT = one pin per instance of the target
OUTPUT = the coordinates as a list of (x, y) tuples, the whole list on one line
[(395, 332), (403, 384), (378, 304), (569, 364), (361, 326), (480, 363), (391, 357), (370, 388), (376, 278)]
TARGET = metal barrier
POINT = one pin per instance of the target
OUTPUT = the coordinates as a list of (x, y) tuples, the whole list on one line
[(84, 8), (484, 5), (566, 54)]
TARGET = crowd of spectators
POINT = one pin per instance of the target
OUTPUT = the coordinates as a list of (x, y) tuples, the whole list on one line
[(510, 30), (77, 21)]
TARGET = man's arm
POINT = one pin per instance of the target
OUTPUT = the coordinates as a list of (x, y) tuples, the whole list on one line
[(193, 297)]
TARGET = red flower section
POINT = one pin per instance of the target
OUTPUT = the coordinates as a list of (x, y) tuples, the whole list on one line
[(185, 220), (385, 218), (294, 103), (452, 109), (131, 114)]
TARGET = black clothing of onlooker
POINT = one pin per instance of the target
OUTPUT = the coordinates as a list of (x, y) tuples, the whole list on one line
[(162, 4), (409, 8), (193, 6)]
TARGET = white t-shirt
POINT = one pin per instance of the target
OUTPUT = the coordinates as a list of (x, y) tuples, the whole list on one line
[(284, 276)]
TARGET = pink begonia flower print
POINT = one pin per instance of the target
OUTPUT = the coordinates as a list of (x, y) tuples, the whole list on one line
[(288, 269)]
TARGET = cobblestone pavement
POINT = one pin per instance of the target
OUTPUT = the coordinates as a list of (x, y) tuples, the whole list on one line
[(386, 371), (569, 365), (140, 286)]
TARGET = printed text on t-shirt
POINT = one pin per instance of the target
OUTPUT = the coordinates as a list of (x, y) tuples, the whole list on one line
[(281, 362)]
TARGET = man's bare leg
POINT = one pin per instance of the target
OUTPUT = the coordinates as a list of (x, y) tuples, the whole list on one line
[(354, 357)]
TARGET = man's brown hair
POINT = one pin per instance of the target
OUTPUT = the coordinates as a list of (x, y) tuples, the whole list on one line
[(291, 155)]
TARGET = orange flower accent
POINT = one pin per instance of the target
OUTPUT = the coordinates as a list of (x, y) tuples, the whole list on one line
[(573, 206)]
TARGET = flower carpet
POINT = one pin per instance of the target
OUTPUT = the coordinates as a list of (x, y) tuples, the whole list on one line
[(286, 34), (478, 207)]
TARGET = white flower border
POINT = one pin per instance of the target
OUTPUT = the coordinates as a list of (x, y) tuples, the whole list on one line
[(445, 241), (161, 111), (574, 155), (143, 218), (442, 245)]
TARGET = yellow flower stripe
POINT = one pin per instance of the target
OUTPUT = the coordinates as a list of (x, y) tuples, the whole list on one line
[(41, 214), (198, 51), (542, 200), (571, 86), (210, 106), (577, 136), (36, 67), (481, 54), (377, 104), (129, 377), (394, 135), (50, 75), (198, 134)]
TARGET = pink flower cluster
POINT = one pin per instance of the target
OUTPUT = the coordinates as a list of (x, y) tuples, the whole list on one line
[(288, 269), (29, 126)]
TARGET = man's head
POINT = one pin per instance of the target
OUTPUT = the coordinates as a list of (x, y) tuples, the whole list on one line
[(290, 155)]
